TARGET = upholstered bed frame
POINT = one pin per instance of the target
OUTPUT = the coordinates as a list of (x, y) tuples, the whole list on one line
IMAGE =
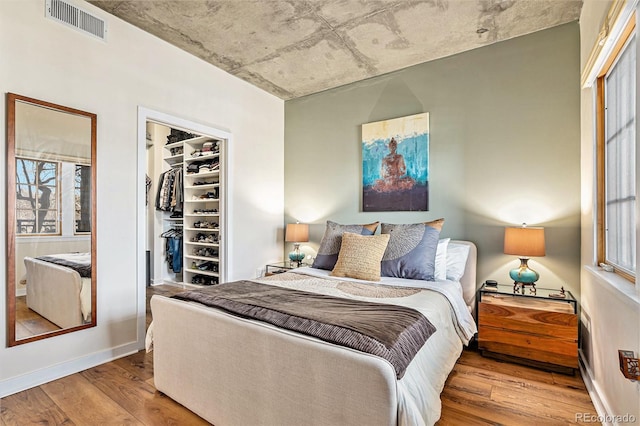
[(53, 291), (233, 371)]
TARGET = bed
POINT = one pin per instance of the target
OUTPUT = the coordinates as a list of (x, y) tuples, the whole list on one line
[(237, 371), (59, 293)]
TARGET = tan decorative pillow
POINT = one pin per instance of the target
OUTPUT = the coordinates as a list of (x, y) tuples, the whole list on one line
[(437, 224), (360, 256)]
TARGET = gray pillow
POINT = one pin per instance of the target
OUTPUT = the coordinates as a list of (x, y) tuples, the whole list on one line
[(411, 252), (332, 239)]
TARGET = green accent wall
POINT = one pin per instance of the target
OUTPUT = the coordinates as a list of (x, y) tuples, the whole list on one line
[(504, 149)]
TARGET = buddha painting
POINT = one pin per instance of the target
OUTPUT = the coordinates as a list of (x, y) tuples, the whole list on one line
[(393, 172), (395, 162)]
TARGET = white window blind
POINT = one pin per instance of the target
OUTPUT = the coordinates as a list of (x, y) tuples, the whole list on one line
[(620, 155)]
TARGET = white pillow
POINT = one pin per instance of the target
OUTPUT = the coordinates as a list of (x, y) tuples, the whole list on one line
[(457, 255), (441, 259)]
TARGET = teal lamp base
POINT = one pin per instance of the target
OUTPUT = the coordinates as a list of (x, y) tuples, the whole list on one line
[(296, 255), (524, 276)]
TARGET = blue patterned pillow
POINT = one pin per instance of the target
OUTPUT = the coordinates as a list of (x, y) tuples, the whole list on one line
[(332, 239), (411, 252)]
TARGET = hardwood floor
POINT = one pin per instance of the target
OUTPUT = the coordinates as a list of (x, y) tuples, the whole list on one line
[(483, 391), (30, 323), (479, 391)]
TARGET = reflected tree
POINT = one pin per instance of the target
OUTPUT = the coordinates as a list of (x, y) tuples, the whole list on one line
[(36, 181)]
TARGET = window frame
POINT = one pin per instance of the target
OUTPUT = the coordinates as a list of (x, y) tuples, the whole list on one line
[(89, 206), (58, 207), (601, 248)]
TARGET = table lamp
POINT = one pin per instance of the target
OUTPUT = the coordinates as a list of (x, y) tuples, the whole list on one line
[(297, 233), (524, 242)]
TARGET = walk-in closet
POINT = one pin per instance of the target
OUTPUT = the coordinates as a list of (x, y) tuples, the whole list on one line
[(185, 206)]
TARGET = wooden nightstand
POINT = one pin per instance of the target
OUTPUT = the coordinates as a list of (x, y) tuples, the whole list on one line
[(280, 267), (533, 329)]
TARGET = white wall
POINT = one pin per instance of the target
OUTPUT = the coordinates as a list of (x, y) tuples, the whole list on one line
[(611, 307), (46, 60)]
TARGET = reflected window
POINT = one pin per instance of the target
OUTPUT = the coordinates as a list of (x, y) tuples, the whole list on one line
[(82, 185), (37, 189)]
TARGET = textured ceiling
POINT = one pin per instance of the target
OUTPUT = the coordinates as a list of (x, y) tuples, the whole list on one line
[(293, 48)]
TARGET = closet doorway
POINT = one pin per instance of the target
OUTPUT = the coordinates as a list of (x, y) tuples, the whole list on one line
[(183, 205)]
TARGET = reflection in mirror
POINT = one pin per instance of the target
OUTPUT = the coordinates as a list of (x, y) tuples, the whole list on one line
[(51, 241)]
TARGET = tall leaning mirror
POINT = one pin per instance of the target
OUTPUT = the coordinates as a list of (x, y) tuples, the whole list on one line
[(51, 219)]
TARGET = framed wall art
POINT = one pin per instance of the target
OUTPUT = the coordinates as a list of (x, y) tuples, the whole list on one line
[(395, 164)]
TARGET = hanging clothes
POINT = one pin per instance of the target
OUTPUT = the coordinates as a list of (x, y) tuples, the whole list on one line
[(148, 187), (170, 195), (173, 249), (174, 253)]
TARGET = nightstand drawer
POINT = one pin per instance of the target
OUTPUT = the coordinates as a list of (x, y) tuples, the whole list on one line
[(529, 346), (558, 325)]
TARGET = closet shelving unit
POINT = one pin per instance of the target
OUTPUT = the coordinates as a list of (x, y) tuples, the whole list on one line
[(171, 161), (203, 211), (203, 222)]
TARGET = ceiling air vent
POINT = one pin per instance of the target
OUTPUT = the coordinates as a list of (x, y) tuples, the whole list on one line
[(74, 17)]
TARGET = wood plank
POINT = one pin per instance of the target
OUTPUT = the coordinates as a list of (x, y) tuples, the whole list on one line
[(485, 408), (85, 404), (138, 398), (463, 404), (551, 392), (517, 372), (531, 321), (454, 417), (538, 348), (570, 382), (469, 384), (32, 406), (23, 312), (22, 331), (529, 402), (550, 305), (139, 364), (28, 322)]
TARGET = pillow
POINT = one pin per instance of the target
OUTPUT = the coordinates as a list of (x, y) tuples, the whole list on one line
[(441, 259), (411, 252), (331, 240), (457, 255), (360, 256)]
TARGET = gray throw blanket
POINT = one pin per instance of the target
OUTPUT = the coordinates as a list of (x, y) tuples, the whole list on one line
[(79, 262), (395, 333)]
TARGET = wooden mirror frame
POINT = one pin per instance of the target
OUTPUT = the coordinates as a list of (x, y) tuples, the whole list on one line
[(11, 224)]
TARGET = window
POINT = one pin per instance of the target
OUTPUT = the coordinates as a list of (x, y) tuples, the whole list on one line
[(82, 186), (37, 204), (617, 158)]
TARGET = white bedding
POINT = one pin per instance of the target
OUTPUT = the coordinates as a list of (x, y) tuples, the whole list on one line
[(442, 303), (85, 299), (452, 290)]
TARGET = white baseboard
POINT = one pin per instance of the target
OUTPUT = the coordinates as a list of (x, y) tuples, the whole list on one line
[(597, 397), (54, 372)]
